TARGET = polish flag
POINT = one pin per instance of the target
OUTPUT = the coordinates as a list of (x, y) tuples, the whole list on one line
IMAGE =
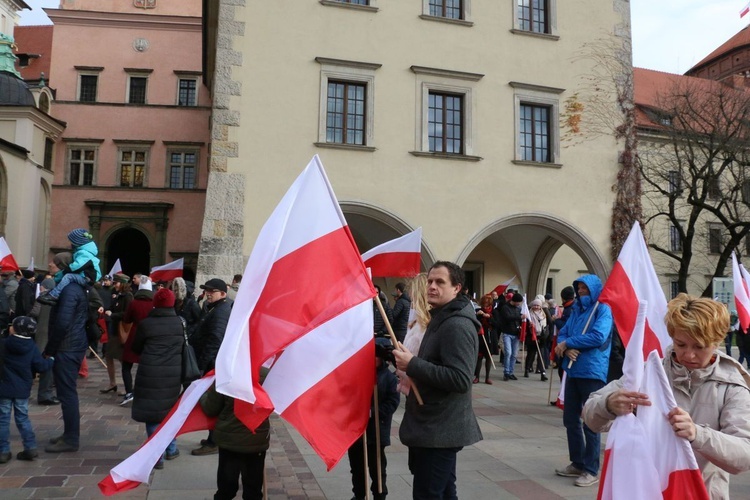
[(7, 262), (632, 279), (116, 268), (741, 294), (167, 272), (560, 403), (525, 322), (186, 416), (744, 10), (31, 265), (500, 289), (306, 293), (643, 457), (399, 257)]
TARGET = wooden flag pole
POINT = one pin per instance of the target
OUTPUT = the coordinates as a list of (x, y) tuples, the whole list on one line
[(367, 477), (376, 420), (97, 357), (488, 351), (396, 344), (549, 393)]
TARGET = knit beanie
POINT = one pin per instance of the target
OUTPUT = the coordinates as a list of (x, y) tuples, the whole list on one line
[(27, 273), (145, 284), (517, 297), (79, 237), (48, 284), (24, 326), (164, 298)]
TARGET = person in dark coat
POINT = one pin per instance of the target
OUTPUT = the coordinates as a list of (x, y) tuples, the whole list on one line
[(206, 340), (158, 341), (21, 359), (67, 343), (138, 309), (510, 327), (401, 312), (4, 307), (379, 323), (40, 312), (185, 304), (388, 399), (120, 300), (26, 293), (241, 452)]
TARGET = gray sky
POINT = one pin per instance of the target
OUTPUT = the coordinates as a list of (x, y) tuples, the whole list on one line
[(668, 35)]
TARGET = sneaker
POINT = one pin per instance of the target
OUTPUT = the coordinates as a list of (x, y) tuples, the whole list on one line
[(512, 377), (506, 378), (127, 399), (569, 471), (5, 457), (172, 456), (206, 449), (56, 439), (60, 447), (159, 465), (586, 479), (29, 454)]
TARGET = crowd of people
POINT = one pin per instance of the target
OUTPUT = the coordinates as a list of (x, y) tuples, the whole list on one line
[(442, 336)]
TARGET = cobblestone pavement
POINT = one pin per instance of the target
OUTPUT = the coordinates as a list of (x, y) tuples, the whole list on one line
[(523, 443)]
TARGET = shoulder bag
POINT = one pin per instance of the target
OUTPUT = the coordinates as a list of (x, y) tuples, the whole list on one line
[(190, 370)]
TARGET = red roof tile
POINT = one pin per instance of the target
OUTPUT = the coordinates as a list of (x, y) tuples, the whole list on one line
[(35, 40), (741, 39)]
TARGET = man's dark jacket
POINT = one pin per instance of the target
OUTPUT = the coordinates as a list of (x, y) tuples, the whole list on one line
[(67, 321), (401, 313), (509, 319), (209, 333), (25, 297)]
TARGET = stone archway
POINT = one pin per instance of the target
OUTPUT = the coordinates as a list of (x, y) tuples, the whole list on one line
[(132, 246), (530, 241)]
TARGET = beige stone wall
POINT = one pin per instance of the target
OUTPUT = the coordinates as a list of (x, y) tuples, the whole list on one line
[(267, 93)]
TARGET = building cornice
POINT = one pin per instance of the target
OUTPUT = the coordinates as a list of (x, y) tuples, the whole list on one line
[(61, 17), (50, 125)]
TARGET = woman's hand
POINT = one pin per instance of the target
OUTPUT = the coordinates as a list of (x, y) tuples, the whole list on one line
[(622, 402), (682, 424)]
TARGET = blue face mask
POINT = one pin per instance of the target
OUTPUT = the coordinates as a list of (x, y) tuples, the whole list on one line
[(585, 301)]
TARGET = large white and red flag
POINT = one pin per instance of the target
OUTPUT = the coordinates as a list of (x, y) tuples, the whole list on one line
[(643, 457), (7, 262), (633, 278), (304, 301), (396, 258), (116, 268), (500, 289), (741, 294), (185, 416), (167, 272)]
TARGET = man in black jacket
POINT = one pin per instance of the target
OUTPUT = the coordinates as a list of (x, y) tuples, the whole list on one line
[(25, 294), (207, 338), (510, 327), (401, 312)]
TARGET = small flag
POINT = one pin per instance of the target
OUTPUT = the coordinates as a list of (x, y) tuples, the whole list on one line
[(167, 272), (116, 269), (31, 265), (500, 289), (744, 10), (741, 294), (396, 258)]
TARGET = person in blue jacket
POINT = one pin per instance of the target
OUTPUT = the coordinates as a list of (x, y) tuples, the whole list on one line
[(21, 359), (82, 270), (584, 344)]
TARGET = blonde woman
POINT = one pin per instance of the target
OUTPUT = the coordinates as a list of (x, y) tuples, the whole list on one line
[(419, 316), (711, 389)]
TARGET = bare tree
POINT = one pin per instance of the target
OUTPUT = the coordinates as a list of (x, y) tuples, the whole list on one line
[(695, 185)]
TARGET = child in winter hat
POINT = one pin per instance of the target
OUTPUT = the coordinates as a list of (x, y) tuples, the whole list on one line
[(84, 268), (21, 359)]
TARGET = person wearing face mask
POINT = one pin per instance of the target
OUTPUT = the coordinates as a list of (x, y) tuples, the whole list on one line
[(584, 344), (711, 389)]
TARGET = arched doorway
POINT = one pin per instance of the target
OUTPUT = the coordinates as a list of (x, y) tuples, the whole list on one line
[(544, 252), (132, 247)]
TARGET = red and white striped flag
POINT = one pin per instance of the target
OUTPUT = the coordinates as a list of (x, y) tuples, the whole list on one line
[(744, 10), (186, 416), (116, 268), (167, 272), (7, 262), (526, 321), (633, 278), (305, 293), (560, 403), (741, 294), (643, 457), (396, 258), (500, 289)]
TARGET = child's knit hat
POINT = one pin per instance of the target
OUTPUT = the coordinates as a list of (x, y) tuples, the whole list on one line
[(79, 237), (24, 326)]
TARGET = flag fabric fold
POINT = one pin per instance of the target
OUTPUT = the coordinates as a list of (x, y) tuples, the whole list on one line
[(167, 272), (500, 289), (7, 261), (633, 278), (304, 274), (396, 258), (116, 268), (741, 294), (186, 416)]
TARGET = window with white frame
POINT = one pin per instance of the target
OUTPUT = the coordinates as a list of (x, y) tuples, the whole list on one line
[(537, 130), (675, 241), (535, 17), (445, 113), (132, 165), (137, 88), (187, 91), (81, 165), (183, 168), (456, 11), (347, 90), (88, 84), (365, 5)]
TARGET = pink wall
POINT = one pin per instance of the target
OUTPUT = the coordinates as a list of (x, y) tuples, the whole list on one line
[(163, 7)]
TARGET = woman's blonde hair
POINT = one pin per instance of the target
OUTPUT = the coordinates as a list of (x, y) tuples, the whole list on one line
[(704, 320), (418, 294)]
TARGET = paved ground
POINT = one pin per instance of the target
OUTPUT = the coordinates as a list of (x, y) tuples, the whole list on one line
[(523, 443)]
